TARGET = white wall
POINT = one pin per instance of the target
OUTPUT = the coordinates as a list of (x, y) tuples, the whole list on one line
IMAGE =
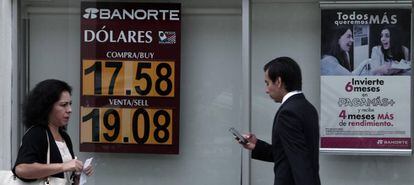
[(5, 82), (281, 29)]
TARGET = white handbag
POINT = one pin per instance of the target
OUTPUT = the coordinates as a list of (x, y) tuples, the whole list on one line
[(8, 178)]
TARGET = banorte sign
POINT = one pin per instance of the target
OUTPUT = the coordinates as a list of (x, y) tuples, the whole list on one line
[(131, 14)]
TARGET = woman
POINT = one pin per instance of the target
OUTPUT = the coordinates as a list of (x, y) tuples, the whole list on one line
[(390, 50), (337, 44), (47, 110)]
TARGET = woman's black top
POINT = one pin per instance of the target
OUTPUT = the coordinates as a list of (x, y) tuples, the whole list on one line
[(34, 148)]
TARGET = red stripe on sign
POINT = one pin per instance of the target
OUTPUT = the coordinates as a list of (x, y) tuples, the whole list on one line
[(364, 142)]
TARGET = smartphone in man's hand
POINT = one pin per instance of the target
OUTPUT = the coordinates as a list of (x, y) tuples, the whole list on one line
[(238, 136)]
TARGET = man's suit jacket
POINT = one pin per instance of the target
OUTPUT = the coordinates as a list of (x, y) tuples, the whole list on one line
[(295, 143)]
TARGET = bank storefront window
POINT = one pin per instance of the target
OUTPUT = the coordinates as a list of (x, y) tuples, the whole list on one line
[(132, 81)]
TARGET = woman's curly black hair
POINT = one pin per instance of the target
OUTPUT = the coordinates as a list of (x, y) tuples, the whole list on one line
[(39, 102)]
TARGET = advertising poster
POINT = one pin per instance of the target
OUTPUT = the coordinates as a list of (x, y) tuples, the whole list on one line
[(130, 77), (366, 81)]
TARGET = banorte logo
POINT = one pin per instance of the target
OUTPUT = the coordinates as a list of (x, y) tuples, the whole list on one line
[(90, 13), (380, 142)]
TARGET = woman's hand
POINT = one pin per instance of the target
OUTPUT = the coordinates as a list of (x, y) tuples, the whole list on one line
[(386, 69), (383, 69), (89, 170), (72, 165)]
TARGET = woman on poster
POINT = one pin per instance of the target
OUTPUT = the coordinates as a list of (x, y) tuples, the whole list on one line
[(390, 57), (337, 44)]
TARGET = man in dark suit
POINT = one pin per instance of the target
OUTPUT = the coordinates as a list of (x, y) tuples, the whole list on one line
[(295, 134)]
